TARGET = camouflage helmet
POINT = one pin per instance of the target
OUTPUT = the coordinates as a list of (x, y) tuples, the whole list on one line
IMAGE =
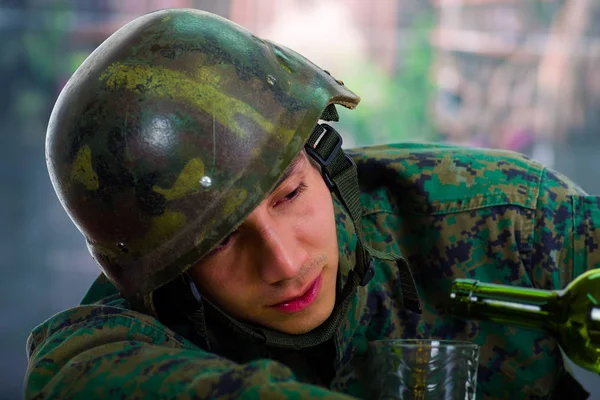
[(171, 132)]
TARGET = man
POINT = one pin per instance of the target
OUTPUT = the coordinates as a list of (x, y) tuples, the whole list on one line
[(242, 254)]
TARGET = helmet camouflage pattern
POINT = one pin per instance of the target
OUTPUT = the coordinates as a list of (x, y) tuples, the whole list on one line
[(171, 132)]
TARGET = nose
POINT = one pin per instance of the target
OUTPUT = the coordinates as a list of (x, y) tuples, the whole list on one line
[(279, 254)]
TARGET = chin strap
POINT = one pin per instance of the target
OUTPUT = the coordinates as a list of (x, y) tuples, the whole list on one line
[(340, 174), (267, 336)]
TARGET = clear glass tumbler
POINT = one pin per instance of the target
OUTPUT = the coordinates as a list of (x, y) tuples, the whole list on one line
[(422, 369)]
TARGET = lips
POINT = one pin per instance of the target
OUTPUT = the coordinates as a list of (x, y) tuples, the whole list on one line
[(299, 303)]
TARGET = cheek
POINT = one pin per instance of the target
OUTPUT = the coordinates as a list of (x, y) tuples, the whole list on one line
[(317, 221), (207, 278), (216, 280)]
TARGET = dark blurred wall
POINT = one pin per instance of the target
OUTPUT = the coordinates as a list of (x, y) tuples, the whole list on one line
[(41, 252), (45, 264)]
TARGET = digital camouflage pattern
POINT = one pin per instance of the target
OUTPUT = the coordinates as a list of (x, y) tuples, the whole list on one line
[(171, 132), (452, 212)]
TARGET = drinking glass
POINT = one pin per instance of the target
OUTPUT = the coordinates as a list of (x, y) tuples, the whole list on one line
[(422, 369)]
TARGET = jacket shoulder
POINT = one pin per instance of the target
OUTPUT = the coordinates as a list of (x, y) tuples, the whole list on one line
[(437, 178), (107, 351), (111, 319)]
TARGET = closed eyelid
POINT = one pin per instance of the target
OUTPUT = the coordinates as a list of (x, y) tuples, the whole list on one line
[(295, 192)]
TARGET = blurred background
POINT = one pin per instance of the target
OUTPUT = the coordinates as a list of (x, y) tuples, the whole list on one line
[(513, 74)]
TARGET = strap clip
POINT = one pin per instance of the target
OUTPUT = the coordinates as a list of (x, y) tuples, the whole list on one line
[(324, 163)]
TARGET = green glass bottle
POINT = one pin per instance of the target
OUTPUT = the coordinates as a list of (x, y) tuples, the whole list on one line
[(571, 315)]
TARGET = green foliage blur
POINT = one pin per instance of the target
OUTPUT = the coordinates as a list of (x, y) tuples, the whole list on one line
[(394, 107), (31, 61)]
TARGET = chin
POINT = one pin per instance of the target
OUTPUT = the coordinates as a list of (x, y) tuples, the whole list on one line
[(310, 322), (310, 318)]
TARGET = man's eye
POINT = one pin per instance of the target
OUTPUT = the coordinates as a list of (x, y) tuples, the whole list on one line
[(294, 193), (225, 242)]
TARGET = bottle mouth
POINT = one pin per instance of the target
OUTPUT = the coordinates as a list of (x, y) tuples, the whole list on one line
[(461, 296)]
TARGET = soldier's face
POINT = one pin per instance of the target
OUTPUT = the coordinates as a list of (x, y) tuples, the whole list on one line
[(279, 268)]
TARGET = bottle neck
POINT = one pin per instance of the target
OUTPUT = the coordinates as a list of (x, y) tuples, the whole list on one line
[(505, 304)]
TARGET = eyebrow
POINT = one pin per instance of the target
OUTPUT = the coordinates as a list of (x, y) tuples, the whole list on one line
[(294, 166)]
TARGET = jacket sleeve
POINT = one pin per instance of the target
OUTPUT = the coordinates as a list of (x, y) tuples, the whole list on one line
[(566, 232), (107, 352)]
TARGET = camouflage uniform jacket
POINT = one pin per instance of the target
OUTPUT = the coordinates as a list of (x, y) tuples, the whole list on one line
[(452, 212)]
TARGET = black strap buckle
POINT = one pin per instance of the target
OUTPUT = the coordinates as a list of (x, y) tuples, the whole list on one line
[(328, 130), (369, 273), (324, 163)]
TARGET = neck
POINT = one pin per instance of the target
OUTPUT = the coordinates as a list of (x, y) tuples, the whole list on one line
[(514, 305)]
